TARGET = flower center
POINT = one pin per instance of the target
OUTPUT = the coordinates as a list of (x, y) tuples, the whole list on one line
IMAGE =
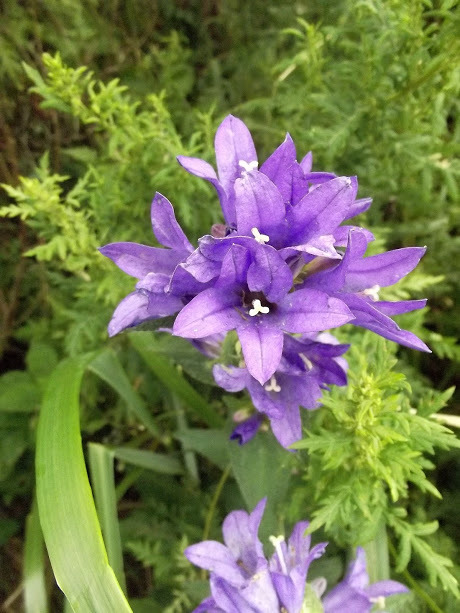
[(372, 292), (272, 385), (379, 601), (260, 238), (306, 361), (258, 308), (276, 542), (248, 166)]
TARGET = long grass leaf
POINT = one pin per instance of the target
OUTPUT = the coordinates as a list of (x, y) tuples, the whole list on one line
[(67, 513), (35, 598), (103, 482)]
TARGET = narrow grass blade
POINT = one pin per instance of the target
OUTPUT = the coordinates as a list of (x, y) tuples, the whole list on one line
[(107, 366), (173, 380), (149, 459), (102, 479), (35, 597), (67, 513)]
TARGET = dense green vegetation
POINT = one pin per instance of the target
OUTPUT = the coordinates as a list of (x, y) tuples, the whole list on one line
[(97, 99)]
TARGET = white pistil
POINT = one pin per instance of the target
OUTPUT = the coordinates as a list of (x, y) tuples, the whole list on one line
[(276, 542), (372, 292), (258, 308), (379, 601), (272, 386), (248, 166), (260, 238), (306, 361)]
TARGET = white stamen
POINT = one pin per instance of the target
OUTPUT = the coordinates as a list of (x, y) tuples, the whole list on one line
[(260, 238), (258, 308), (319, 586), (272, 386), (276, 542), (306, 361), (379, 601), (248, 166), (372, 292)]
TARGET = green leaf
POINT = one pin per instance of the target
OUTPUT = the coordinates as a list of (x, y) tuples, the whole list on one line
[(210, 443), (107, 366), (173, 380), (262, 468), (41, 360), (67, 513), (103, 482), (150, 460), (35, 597)]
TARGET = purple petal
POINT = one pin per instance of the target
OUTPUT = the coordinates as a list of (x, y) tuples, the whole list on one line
[(345, 598), (368, 316), (165, 226), (309, 310), (321, 246), (140, 306), (288, 428), (230, 378), (246, 430), (201, 267), (342, 233), (307, 162), (138, 260), (154, 282), (259, 205), (182, 283), (208, 606), (202, 169), (210, 312), (234, 268), (290, 596), (229, 598), (319, 177), (233, 143), (299, 544), (269, 274), (278, 167), (217, 558), (383, 269), (356, 575), (385, 588), (397, 308), (262, 346), (359, 206), (321, 210), (240, 536)]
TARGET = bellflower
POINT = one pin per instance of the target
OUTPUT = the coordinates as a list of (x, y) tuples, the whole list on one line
[(153, 267), (355, 594), (242, 579), (307, 366), (252, 295)]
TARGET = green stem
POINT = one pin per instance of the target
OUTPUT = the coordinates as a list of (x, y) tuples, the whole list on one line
[(215, 498), (412, 583)]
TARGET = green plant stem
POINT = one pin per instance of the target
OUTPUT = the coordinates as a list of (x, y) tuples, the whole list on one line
[(214, 501), (412, 583)]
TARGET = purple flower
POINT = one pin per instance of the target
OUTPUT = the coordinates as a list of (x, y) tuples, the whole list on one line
[(357, 280), (354, 593), (242, 580), (153, 267), (252, 295), (307, 366)]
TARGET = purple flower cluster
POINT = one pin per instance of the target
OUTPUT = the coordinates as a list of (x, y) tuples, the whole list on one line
[(282, 264), (242, 580)]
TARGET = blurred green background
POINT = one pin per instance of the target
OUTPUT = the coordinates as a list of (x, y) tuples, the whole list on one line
[(370, 86)]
